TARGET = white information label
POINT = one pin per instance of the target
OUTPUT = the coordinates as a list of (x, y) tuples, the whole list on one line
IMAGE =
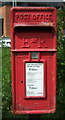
[(34, 79)]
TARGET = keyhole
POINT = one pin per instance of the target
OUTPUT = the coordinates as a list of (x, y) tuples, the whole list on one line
[(21, 81)]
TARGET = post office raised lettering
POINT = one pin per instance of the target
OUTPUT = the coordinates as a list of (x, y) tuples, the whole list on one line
[(33, 17)]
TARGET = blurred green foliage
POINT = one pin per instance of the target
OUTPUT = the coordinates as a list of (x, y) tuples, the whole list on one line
[(6, 78), (61, 58)]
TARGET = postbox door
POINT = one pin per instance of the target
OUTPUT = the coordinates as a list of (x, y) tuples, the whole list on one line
[(34, 81)]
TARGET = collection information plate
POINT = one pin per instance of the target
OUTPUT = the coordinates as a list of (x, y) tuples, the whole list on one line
[(34, 79)]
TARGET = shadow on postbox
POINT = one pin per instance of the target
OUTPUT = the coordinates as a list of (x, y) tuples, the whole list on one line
[(33, 53)]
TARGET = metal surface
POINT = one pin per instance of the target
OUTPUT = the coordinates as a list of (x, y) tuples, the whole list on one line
[(33, 30)]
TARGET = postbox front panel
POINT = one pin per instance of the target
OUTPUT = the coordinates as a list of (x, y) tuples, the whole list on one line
[(34, 38), (33, 28), (33, 48)]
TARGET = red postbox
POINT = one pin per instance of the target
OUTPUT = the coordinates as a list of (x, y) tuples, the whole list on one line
[(33, 52)]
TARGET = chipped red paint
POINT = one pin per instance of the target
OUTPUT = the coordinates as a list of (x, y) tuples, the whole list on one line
[(33, 29)]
